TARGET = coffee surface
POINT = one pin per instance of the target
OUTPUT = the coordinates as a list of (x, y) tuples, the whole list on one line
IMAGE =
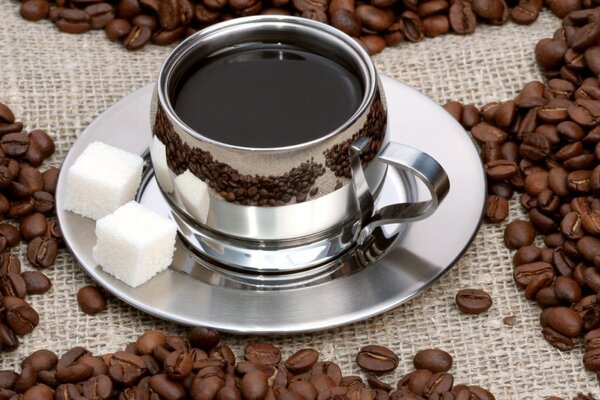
[(267, 96)]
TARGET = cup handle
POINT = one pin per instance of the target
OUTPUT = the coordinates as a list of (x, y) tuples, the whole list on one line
[(403, 158)]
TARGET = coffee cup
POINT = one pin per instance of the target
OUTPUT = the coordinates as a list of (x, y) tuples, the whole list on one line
[(270, 144)]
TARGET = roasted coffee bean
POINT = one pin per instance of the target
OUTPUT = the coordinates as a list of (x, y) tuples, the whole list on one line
[(71, 20), (41, 137), (12, 284), (150, 340), (33, 10), (413, 26), (524, 273), (262, 353), (302, 361), (499, 170), (526, 12), (591, 277), (488, 133), (492, 151), (470, 116), (149, 21), (8, 340), (591, 340), (22, 320), (373, 44), (510, 151), (165, 37), (526, 255), (518, 233), (100, 14), (40, 360), (531, 95), (496, 209), (32, 226), (558, 340), (9, 263), (254, 385), (15, 144), (563, 263), (439, 382), (377, 359), (10, 128), (567, 289), (117, 29), (204, 338), (377, 384), (166, 388), (537, 283), (97, 387), (346, 21), (50, 179), (462, 17), (26, 380), (137, 38), (8, 379), (6, 114), (454, 108), (43, 202), (541, 222), (434, 360), (501, 189), (415, 381), (546, 297), (374, 18), (591, 360), (126, 368), (178, 365), (589, 247), (42, 252), (565, 321), (571, 226), (91, 300), (473, 301)]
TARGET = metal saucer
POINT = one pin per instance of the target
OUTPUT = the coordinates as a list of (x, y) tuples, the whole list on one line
[(196, 292)]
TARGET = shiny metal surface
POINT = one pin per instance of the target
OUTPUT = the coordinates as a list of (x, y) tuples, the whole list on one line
[(428, 170), (208, 183), (195, 292), (295, 213)]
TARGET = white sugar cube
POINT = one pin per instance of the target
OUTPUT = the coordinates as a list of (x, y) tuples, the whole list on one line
[(134, 243), (102, 179)]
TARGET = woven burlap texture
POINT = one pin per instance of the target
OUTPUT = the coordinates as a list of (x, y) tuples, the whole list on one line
[(61, 82)]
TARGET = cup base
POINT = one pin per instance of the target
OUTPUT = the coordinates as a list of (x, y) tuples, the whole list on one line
[(254, 257)]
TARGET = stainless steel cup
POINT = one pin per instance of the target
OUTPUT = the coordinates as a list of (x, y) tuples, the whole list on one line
[(287, 208)]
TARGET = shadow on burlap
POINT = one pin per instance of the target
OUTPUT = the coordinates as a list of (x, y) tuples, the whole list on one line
[(61, 82)]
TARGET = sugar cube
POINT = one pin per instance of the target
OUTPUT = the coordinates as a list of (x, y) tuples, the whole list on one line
[(101, 179), (134, 243)]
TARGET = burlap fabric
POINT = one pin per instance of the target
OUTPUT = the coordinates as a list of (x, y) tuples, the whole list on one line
[(61, 82)]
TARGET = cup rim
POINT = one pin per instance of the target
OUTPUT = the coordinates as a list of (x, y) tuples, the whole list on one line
[(274, 22)]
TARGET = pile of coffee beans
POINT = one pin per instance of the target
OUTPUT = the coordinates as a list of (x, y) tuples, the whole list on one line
[(27, 200), (375, 23), (158, 366), (545, 145)]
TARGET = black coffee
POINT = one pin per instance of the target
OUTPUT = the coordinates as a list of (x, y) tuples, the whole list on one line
[(267, 96)]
